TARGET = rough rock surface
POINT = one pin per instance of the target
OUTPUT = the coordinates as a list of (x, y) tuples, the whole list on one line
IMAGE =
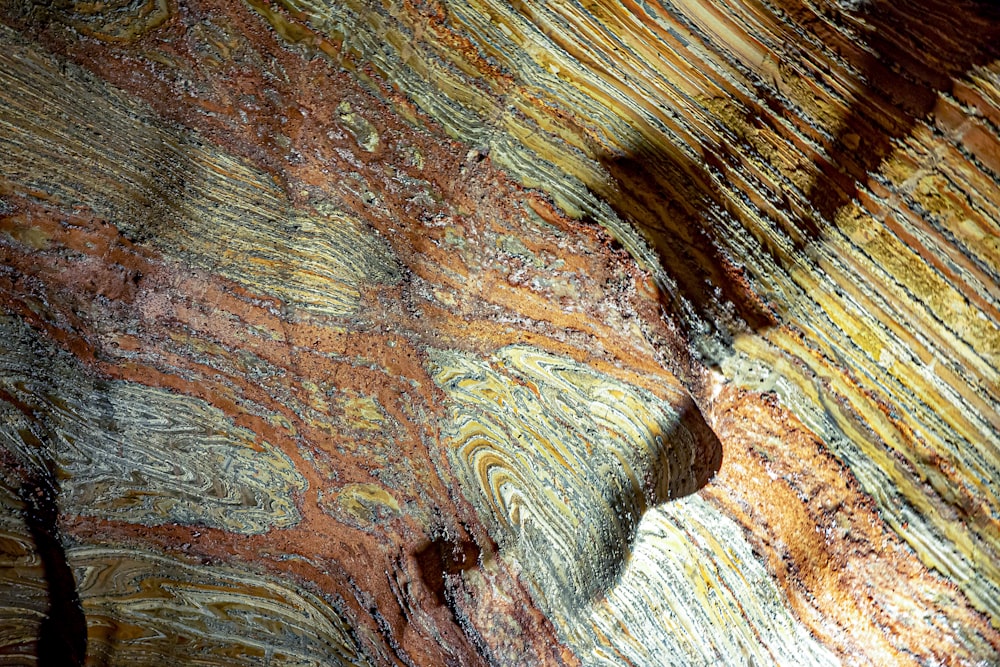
[(473, 332)]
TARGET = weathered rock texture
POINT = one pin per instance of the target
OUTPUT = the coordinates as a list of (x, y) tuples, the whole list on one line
[(474, 332)]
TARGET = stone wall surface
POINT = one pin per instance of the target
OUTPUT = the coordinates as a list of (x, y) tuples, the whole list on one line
[(479, 332)]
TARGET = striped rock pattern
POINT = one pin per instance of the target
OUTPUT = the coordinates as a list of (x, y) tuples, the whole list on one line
[(566, 462), (375, 333)]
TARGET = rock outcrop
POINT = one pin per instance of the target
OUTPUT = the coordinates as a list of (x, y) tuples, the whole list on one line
[(471, 332)]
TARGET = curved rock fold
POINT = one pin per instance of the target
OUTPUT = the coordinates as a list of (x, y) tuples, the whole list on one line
[(467, 332)]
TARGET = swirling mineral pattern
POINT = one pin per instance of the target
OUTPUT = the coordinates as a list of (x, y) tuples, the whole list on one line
[(564, 461), (145, 609), (131, 453), (168, 185), (813, 166), (409, 333), (691, 568), (23, 586)]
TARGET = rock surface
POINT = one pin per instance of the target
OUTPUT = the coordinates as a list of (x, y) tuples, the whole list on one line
[(470, 332)]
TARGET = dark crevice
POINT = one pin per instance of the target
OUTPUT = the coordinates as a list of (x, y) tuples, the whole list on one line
[(62, 637)]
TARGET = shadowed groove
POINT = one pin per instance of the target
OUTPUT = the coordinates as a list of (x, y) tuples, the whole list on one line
[(563, 462), (32, 474)]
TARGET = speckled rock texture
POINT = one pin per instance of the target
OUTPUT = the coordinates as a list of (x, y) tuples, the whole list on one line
[(477, 332)]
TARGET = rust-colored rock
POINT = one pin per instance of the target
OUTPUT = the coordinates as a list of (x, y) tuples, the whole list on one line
[(473, 333)]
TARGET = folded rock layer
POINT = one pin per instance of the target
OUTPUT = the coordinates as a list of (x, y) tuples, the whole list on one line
[(470, 332)]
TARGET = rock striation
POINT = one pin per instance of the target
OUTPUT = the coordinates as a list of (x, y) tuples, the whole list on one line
[(468, 332)]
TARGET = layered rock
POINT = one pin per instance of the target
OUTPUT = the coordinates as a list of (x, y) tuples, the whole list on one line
[(412, 333)]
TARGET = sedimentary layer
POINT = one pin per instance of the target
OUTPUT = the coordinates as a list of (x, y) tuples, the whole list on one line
[(413, 333)]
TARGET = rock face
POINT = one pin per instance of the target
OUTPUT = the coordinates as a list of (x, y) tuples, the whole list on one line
[(470, 332)]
